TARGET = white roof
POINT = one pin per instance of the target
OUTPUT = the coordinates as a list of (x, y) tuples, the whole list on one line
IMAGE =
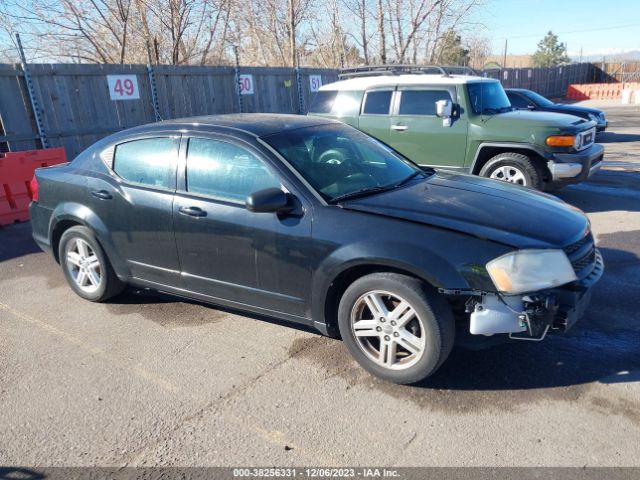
[(362, 83)]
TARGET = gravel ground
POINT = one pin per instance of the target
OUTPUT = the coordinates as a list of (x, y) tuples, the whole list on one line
[(151, 380)]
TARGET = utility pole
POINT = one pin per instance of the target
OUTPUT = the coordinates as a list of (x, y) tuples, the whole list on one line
[(292, 33), (504, 57)]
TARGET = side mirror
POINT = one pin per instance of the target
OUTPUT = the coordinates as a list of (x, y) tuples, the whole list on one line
[(444, 108), (269, 200)]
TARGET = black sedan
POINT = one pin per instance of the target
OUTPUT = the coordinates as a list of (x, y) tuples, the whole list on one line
[(315, 222), (524, 99)]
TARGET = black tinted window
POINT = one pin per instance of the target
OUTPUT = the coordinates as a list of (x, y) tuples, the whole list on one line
[(323, 101), (517, 101), (421, 102), (149, 161), (224, 170), (377, 103)]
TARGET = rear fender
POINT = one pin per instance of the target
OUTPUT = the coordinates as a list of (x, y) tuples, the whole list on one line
[(83, 215)]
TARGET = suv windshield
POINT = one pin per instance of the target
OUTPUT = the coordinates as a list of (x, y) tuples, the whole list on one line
[(488, 98), (341, 162)]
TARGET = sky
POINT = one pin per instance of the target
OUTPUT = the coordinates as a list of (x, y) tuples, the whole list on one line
[(598, 27)]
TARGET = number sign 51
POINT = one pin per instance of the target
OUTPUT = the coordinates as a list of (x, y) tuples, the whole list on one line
[(123, 87)]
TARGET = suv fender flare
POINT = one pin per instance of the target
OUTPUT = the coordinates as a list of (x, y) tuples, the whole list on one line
[(75, 212), (507, 146)]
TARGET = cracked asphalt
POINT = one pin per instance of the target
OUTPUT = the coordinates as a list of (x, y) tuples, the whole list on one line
[(150, 380)]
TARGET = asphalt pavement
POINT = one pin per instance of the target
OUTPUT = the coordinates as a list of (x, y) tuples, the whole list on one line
[(148, 379)]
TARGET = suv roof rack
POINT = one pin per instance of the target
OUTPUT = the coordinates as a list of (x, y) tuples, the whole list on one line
[(374, 70)]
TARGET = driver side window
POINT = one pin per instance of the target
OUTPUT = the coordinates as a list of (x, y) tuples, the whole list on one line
[(225, 171)]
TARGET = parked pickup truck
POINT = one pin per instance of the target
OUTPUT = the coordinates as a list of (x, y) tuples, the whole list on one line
[(464, 123)]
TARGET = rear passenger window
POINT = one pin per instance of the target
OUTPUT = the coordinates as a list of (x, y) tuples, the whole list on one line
[(323, 101), (226, 171), (149, 161), (377, 103), (421, 102)]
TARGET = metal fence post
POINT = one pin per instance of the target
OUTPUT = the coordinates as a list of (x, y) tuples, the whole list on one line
[(299, 84), (237, 76), (152, 83), (32, 95)]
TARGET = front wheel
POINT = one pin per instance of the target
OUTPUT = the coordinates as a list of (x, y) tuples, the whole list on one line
[(396, 327), (513, 168)]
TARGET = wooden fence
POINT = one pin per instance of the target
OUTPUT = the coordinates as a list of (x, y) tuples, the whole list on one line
[(76, 108), (551, 82)]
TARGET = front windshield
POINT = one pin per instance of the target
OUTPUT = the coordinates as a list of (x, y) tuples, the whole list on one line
[(488, 98), (339, 161), (539, 99)]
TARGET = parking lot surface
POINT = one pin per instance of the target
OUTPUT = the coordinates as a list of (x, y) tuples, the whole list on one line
[(149, 379)]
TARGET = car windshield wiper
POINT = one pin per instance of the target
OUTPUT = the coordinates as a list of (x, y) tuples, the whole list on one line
[(408, 178), (372, 190), (363, 192)]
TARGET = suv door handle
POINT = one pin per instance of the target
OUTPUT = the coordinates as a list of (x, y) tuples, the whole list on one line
[(399, 128), (101, 194), (192, 211)]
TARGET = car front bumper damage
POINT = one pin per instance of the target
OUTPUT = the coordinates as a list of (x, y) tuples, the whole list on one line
[(532, 316)]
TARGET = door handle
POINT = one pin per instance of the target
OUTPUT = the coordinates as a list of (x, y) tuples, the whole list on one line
[(399, 128), (101, 194), (192, 211)]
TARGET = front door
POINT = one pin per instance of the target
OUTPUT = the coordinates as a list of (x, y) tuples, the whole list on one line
[(419, 134), (228, 252)]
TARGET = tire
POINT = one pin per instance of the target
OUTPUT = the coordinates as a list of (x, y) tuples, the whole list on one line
[(429, 332), (86, 267), (513, 168)]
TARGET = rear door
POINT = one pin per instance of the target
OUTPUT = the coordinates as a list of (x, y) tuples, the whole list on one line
[(419, 134), (226, 251), (374, 116), (135, 203)]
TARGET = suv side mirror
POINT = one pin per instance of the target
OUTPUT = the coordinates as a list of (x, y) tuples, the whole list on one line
[(444, 108), (269, 200)]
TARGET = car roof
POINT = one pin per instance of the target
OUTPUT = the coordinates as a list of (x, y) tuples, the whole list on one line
[(517, 90), (362, 83), (257, 124)]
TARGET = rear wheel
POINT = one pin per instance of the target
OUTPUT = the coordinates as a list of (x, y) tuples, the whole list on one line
[(513, 168), (396, 326), (86, 267)]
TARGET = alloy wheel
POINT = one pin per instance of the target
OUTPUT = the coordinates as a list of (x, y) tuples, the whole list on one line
[(509, 174), (388, 330), (83, 265)]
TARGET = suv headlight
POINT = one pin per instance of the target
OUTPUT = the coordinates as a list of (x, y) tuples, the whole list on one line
[(530, 270), (561, 140), (592, 117)]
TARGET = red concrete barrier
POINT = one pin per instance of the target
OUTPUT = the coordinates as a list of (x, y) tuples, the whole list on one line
[(16, 172), (599, 91)]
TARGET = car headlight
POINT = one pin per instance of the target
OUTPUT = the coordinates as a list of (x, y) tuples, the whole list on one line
[(592, 117), (530, 270), (561, 140)]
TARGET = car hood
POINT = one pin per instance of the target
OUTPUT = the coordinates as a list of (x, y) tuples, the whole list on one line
[(501, 212), (573, 109), (538, 120)]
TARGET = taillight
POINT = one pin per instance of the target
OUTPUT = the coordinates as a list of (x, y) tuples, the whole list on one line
[(33, 188)]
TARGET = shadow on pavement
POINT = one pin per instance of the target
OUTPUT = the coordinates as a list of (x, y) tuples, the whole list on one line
[(611, 137), (16, 241)]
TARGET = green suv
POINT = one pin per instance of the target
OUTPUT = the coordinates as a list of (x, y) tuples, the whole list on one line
[(464, 123)]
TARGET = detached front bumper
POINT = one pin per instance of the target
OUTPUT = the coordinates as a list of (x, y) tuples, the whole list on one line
[(566, 168), (532, 316)]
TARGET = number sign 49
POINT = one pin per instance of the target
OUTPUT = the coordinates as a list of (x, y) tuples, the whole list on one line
[(123, 87)]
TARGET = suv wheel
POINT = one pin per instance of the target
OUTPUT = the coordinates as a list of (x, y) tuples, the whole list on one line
[(86, 266), (396, 327), (513, 168)]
